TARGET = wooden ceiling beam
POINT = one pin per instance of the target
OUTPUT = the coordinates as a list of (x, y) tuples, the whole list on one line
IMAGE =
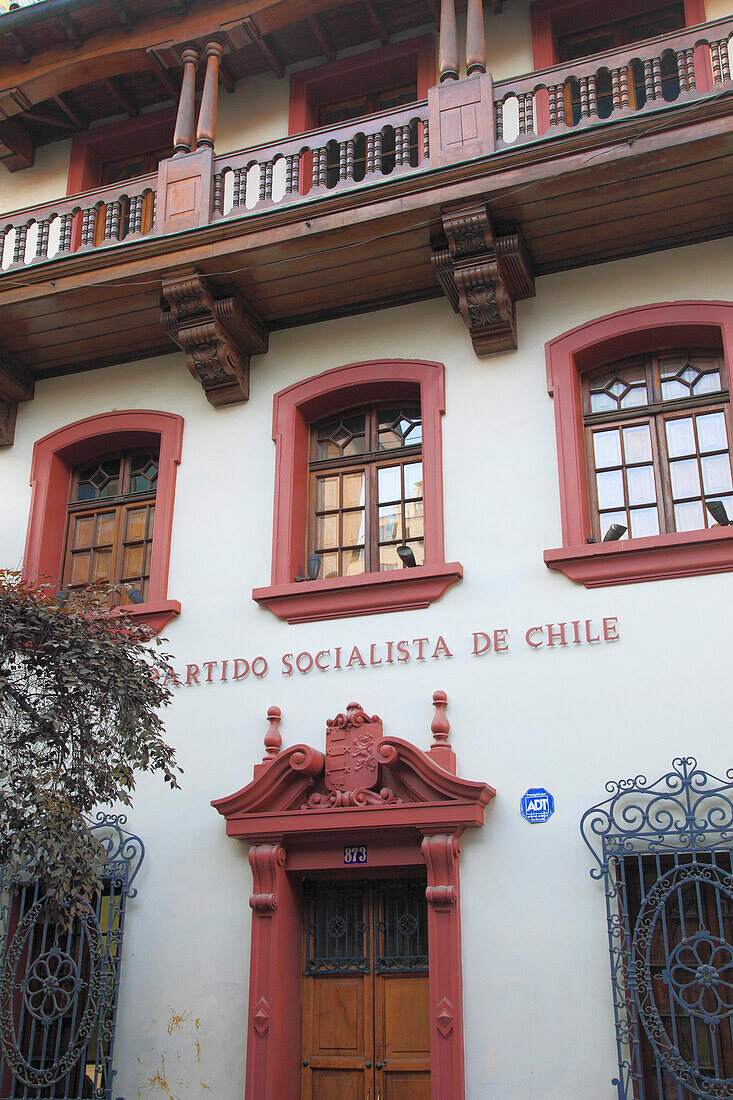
[(73, 116), (321, 37), (121, 96), (19, 46), (19, 143), (70, 29), (125, 18), (377, 22), (163, 75), (267, 52), (49, 120), (434, 9), (498, 6), (226, 79)]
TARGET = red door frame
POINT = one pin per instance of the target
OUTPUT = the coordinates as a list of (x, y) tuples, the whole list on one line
[(413, 823)]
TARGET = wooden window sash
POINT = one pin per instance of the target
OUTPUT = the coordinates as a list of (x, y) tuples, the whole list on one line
[(370, 462), (656, 413), (120, 504)]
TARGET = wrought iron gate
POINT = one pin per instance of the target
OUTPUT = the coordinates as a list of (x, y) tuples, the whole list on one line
[(59, 983), (663, 851)]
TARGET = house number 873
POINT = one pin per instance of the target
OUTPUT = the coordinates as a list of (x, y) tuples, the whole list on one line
[(355, 854)]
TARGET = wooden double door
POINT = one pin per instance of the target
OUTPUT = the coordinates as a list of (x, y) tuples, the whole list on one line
[(365, 1032)]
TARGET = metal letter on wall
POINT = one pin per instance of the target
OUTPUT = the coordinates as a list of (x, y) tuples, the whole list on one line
[(59, 981), (663, 852)]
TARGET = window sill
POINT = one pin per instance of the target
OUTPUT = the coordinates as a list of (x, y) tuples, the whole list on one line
[(155, 614), (658, 557), (368, 594)]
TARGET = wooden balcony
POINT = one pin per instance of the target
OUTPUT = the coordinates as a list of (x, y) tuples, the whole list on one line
[(472, 193)]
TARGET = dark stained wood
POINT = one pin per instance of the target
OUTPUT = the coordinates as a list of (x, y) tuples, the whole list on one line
[(314, 22), (125, 100), (265, 48), (377, 21)]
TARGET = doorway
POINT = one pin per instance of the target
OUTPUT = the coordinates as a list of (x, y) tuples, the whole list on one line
[(365, 1023)]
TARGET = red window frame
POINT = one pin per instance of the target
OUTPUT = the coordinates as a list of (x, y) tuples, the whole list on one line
[(91, 149), (54, 459), (359, 75), (551, 19), (295, 409), (635, 331)]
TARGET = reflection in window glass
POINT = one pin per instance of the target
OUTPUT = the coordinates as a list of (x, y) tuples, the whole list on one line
[(653, 465), (367, 490)]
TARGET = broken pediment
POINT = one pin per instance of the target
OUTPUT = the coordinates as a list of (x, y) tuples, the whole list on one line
[(363, 780)]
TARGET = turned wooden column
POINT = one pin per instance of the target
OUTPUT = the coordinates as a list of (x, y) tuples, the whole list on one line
[(184, 133), (206, 130), (475, 38), (448, 59)]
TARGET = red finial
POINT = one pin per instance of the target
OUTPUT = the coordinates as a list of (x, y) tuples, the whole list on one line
[(440, 750), (440, 725), (273, 737)]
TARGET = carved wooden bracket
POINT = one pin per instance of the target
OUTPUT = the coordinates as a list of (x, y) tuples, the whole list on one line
[(218, 335), (483, 275), (16, 384)]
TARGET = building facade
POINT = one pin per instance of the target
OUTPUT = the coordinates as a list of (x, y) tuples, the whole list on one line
[(392, 387)]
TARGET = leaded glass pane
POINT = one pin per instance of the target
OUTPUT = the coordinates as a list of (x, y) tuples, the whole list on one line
[(689, 516), (352, 562), (680, 437), (143, 473), (399, 427), (685, 478), (609, 518), (637, 443), (413, 480), (711, 432), (607, 448), (353, 528), (610, 489), (390, 523), (390, 483), (327, 493), (644, 522), (716, 474), (353, 490), (327, 531), (640, 481)]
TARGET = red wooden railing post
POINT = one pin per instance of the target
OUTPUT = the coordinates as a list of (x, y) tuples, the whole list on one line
[(183, 134), (448, 60), (206, 130), (475, 38)]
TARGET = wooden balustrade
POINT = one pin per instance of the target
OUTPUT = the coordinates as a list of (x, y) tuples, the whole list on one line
[(627, 81), (105, 216), (315, 163)]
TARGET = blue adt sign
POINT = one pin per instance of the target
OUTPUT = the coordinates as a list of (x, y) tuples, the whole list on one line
[(537, 805)]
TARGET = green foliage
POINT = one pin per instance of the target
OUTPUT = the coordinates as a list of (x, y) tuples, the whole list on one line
[(80, 694)]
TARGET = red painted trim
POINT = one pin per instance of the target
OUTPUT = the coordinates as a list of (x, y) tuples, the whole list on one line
[(294, 409), (551, 18), (90, 149), (629, 561), (291, 840), (54, 458), (634, 331), (341, 597), (359, 75)]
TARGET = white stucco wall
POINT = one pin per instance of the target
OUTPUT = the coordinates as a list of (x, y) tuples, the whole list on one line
[(45, 181), (537, 995)]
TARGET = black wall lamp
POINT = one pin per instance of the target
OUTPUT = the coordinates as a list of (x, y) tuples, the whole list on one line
[(406, 556)]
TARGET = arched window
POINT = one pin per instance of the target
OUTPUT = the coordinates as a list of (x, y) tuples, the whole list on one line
[(366, 486), (642, 415), (658, 443), (358, 473), (111, 518), (102, 507)]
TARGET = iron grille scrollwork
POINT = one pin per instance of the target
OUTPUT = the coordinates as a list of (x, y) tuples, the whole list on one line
[(337, 927), (401, 915), (663, 852), (59, 981)]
